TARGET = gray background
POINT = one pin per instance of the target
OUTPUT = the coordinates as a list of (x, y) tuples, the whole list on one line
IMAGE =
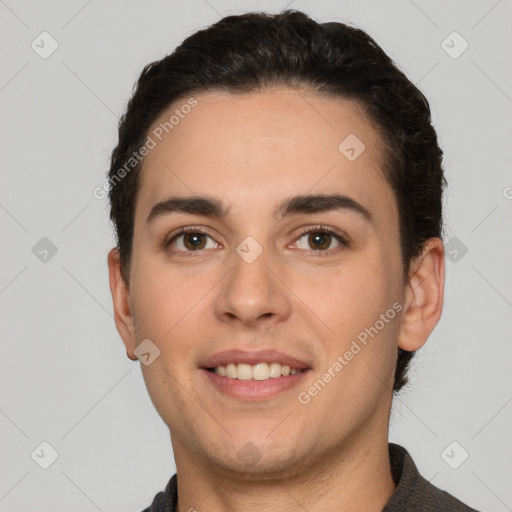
[(64, 376)]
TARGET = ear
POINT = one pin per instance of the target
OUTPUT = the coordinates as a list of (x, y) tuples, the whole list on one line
[(424, 295), (121, 298)]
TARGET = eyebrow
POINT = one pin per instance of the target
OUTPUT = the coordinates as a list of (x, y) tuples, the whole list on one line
[(210, 207)]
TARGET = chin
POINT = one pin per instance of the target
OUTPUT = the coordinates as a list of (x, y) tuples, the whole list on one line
[(263, 459)]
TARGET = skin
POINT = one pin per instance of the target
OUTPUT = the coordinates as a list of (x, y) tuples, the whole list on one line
[(251, 152)]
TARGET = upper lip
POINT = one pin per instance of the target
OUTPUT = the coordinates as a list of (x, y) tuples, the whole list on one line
[(252, 357)]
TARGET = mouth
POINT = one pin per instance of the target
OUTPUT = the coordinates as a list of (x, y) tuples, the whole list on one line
[(253, 375)]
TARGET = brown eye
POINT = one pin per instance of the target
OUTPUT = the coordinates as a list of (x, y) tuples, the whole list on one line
[(190, 240), (319, 240), (193, 241)]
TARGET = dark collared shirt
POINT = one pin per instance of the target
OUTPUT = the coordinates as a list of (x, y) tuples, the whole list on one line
[(413, 493)]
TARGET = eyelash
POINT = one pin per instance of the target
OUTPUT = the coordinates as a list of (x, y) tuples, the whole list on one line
[(307, 230)]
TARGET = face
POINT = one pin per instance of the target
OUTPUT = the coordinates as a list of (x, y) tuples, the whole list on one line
[(311, 284)]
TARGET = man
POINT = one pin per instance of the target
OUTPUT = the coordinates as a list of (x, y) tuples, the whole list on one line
[(276, 193)]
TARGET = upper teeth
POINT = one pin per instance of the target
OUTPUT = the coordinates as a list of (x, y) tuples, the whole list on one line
[(260, 371)]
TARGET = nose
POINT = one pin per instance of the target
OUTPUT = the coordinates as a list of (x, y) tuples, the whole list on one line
[(254, 292)]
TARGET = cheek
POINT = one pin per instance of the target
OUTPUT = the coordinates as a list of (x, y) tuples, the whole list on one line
[(346, 299), (171, 311), (167, 298), (165, 388), (359, 347), (351, 310)]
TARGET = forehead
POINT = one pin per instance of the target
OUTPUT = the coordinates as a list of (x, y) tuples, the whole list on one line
[(260, 147)]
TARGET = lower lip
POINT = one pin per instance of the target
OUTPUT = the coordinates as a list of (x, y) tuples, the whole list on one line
[(254, 389)]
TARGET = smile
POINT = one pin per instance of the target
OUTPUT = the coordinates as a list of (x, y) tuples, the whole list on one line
[(259, 371)]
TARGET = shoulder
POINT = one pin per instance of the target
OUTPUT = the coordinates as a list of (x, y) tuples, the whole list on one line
[(165, 501), (414, 492)]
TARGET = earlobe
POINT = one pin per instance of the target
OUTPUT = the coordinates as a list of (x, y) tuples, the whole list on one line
[(121, 301), (424, 297)]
